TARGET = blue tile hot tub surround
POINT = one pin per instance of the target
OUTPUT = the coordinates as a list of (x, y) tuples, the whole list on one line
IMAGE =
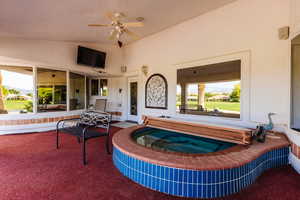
[(197, 183), (207, 175)]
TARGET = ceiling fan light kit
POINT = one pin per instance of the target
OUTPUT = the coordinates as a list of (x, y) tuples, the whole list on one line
[(120, 44), (119, 28)]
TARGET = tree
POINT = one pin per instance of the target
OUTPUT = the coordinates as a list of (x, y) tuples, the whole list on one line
[(2, 109), (208, 94), (13, 91), (236, 93), (45, 95), (28, 106), (4, 91)]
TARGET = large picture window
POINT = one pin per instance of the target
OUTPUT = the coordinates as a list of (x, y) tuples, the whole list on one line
[(77, 91), (51, 90), (95, 87), (212, 90), (103, 87), (99, 87), (16, 90)]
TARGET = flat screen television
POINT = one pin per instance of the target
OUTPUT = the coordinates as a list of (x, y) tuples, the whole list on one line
[(91, 57)]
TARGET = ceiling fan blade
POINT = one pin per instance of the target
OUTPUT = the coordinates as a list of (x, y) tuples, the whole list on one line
[(99, 25), (132, 34), (133, 24), (113, 35)]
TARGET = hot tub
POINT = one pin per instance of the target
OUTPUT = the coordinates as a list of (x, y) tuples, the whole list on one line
[(171, 141), (191, 166)]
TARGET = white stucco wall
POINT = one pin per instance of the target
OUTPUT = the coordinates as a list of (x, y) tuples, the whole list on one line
[(243, 26)]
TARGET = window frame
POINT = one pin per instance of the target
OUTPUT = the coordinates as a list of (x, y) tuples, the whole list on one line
[(101, 88), (36, 89), (35, 95), (245, 112), (69, 91), (98, 86)]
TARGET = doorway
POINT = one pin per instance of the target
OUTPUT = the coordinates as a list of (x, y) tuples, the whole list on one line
[(132, 113)]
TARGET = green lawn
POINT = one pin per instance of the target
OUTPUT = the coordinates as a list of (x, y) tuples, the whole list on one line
[(14, 104), (230, 106), (210, 105)]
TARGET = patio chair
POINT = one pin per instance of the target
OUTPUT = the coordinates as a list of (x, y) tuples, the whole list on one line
[(100, 107), (85, 128)]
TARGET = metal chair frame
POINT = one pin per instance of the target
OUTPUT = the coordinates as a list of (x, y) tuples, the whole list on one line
[(84, 132)]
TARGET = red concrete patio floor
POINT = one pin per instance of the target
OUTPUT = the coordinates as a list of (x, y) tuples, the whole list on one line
[(31, 168)]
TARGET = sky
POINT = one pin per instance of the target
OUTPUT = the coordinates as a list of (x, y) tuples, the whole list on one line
[(17, 80), (212, 87)]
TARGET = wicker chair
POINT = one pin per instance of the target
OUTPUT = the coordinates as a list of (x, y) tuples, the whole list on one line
[(85, 128)]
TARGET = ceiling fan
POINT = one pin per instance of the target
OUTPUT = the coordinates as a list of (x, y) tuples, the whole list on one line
[(119, 28)]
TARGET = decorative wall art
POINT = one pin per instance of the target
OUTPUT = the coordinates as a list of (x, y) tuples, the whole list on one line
[(156, 92)]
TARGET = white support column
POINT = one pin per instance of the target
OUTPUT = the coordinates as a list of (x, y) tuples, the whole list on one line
[(68, 90), (2, 109), (35, 90), (85, 95), (201, 95), (183, 97)]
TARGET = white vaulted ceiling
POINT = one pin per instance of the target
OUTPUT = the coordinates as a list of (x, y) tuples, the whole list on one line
[(66, 20)]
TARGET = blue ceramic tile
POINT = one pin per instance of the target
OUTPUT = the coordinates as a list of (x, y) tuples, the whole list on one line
[(188, 182), (214, 191), (158, 171), (221, 189), (185, 189), (185, 175), (158, 183), (209, 191), (171, 187), (154, 171), (147, 168), (151, 180), (204, 191), (144, 166), (190, 190), (176, 189), (204, 177), (180, 175), (146, 180), (217, 176), (199, 191), (194, 176), (164, 172), (164, 185), (176, 174), (171, 176), (142, 179)]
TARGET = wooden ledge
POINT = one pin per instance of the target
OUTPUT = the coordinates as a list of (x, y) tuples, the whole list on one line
[(227, 134)]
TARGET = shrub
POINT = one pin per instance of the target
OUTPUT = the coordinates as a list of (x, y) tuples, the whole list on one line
[(28, 106)]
